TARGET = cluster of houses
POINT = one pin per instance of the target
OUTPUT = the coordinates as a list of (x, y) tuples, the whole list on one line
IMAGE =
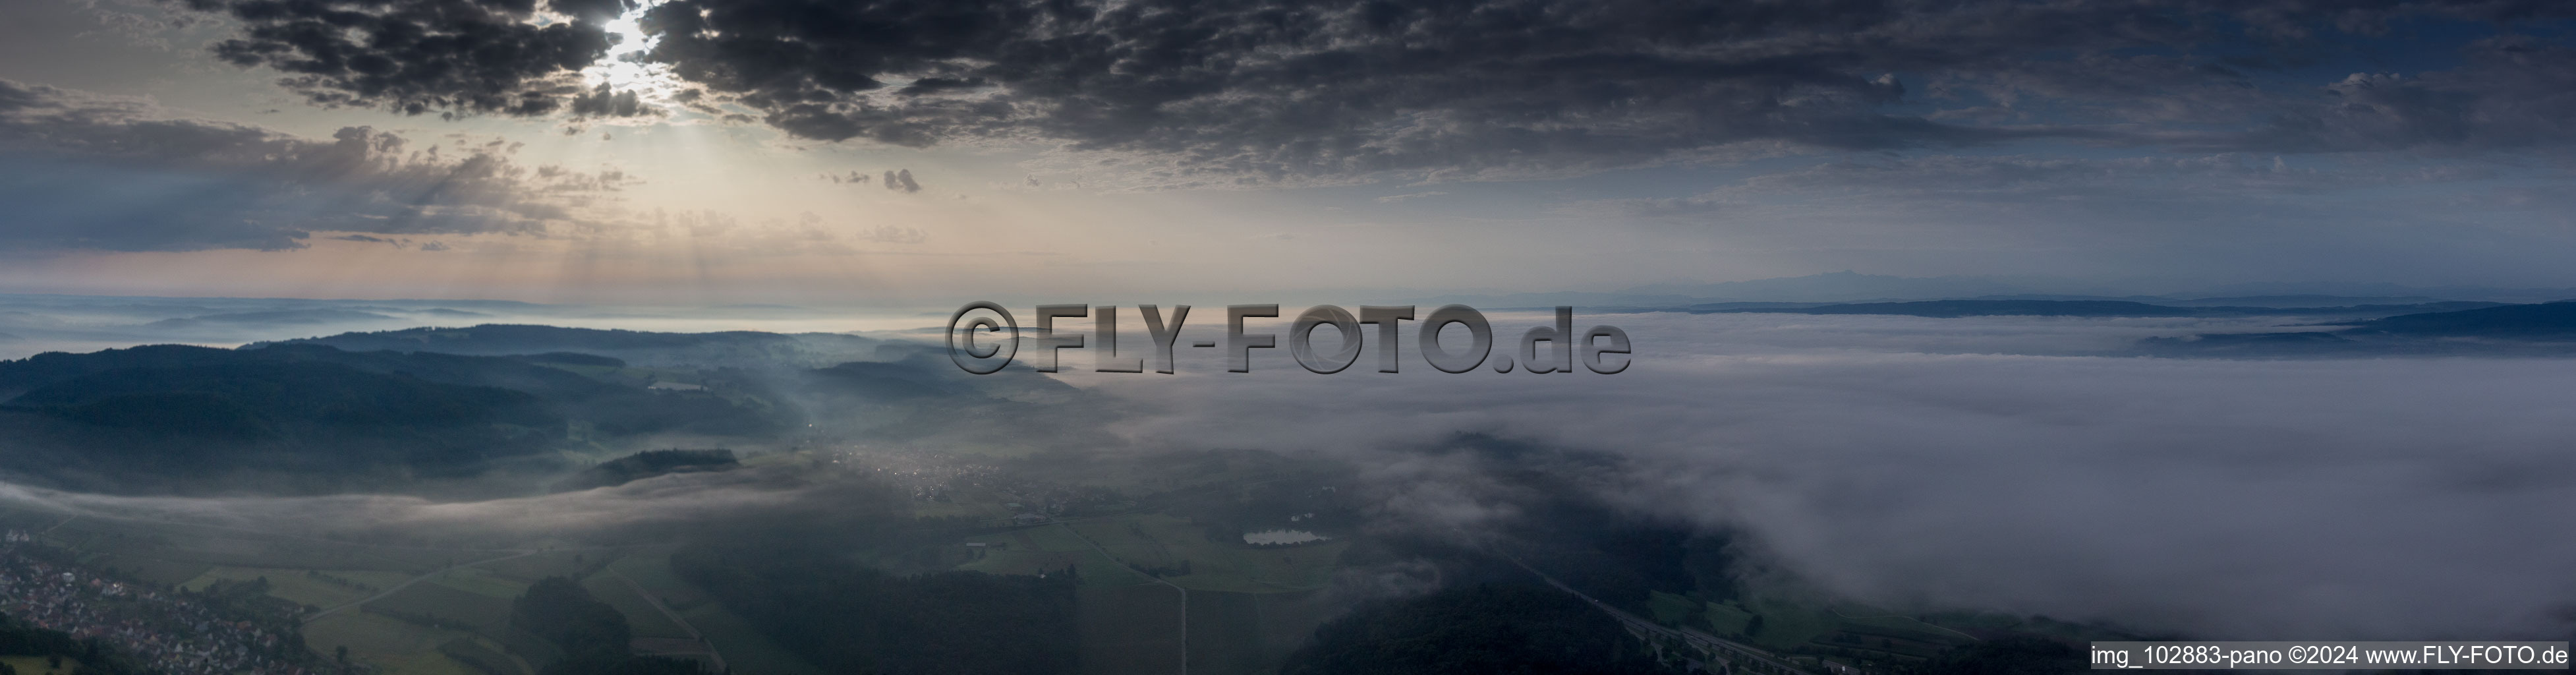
[(929, 476), (166, 631)]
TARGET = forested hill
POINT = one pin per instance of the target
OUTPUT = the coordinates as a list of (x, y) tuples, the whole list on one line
[(20, 376), (1948, 309), (727, 348), (311, 418), (648, 464), (2541, 329), (2551, 321)]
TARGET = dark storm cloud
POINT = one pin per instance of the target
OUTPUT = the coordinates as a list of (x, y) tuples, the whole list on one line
[(2517, 92), (1206, 93), (106, 173), (396, 243), (419, 56), (1281, 90), (2452, 217), (1278, 90), (901, 181), (604, 102)]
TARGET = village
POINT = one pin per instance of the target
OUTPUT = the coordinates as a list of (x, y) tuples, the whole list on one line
[(165, 630)]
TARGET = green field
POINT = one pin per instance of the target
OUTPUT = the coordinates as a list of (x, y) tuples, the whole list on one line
[(446, 602), (646, 621), (297, 586), (1786, 626), (1727, 619), (573, 564), (744, 647), (482, 582), (154, 570), (1156, 540), (35, 665), (1049, 548), (484, 655), (652, 572), (1247, 606), (29, 520), (395, 646), (165, 551)]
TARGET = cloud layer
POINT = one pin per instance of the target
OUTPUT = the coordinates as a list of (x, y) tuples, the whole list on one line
[(119, 174), (2371, 499), (419, 56), (1257, 90), (1917, 464)]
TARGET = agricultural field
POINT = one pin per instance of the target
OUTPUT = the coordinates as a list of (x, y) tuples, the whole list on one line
[(744, 647), (1792, 628), (651, 571), (311, 588), (480, 581), (1727, 619), (1247, 606), (160, 551), (28, 520), (1036, 550), (483, 654), (641, 616), (1161, 542), (154, 570), (35, 665), (440, 604), (396, 646), (568, 563)]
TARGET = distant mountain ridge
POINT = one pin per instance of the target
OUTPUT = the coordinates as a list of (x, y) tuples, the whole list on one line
[(2545, 328), (640, 347), (306, 416), (1851, 287), (2075, 308), (2555, 320), (648, 464), (282, 317)]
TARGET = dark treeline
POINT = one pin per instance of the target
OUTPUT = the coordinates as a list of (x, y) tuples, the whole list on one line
[(1564, 530), (2016, 655), (850, 618), (594, 639), (647, 464), (310, 418), (1485, 629)]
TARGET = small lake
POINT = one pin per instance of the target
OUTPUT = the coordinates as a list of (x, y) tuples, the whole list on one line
[(1281, 537)]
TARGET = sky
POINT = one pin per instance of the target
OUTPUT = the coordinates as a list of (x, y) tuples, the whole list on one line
[(895, 152)]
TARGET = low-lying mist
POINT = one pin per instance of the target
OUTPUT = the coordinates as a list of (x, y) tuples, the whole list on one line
[(2006, 464), (2371, 498)]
